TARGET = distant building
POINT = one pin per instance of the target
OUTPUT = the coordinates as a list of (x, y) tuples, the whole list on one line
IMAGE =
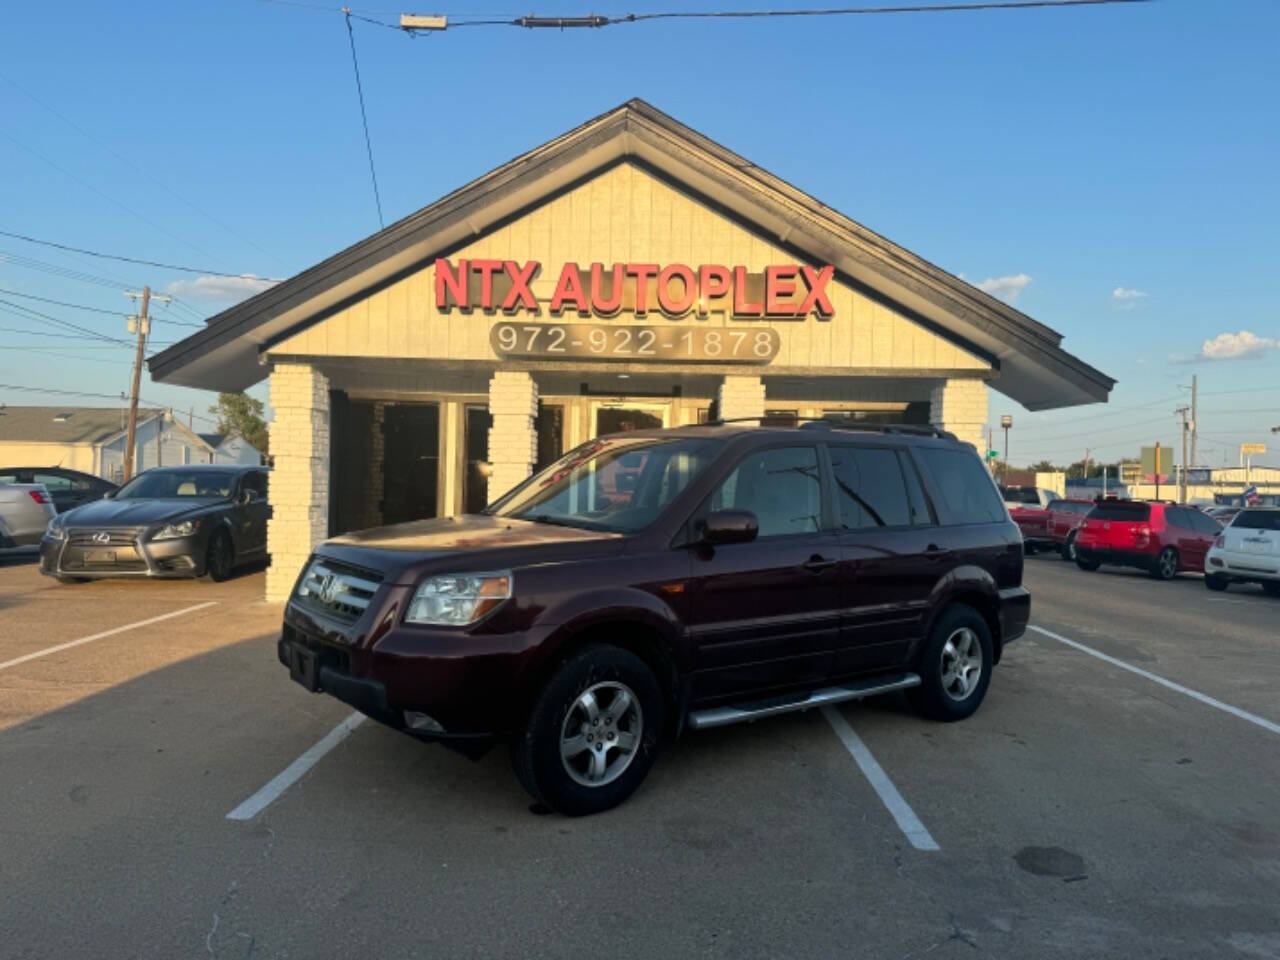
[(93, 440)]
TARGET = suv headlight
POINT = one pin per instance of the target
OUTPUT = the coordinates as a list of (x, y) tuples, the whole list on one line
[(456, 599), (171, 531), (55, 530)]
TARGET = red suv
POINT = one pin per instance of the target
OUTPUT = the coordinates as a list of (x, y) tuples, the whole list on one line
[(1161, 538)]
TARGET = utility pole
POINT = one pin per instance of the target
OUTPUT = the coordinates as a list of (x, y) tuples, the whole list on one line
[(1006, 421), (1182, 484), (1086, 466), (141, 324), (1194, 421)]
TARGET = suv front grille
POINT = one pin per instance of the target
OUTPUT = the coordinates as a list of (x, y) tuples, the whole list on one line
[(337, 589)]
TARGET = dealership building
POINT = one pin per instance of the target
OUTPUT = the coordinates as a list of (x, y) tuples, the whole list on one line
[(630, 273)]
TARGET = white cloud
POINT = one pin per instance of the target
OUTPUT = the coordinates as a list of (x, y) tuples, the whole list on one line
[(219, 289), (1005, 288), (1128, 293), (1230, 346)]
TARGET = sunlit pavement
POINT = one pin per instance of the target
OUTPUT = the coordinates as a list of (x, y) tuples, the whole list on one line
[(1087, 810)]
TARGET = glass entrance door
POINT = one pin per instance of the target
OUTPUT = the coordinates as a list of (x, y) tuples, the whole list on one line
[(623, 417)]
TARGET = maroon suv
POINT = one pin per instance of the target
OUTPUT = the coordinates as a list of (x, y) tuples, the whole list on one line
[(658, 581)]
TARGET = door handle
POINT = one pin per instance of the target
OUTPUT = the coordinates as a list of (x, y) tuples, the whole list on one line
[(817, 563), (934, 552)]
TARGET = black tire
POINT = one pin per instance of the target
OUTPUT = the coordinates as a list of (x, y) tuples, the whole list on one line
[(1271, 587), (1068, 549), (62, 579), (536, 753), (936, 698), (1215, 582), (219, 559), (1165, 566), (1029, 549), (1087, 565)]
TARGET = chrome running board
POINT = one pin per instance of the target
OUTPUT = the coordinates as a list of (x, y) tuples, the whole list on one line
[(722, 716)]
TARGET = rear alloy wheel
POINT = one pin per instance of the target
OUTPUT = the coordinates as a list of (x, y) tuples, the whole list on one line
[(955, 668), (1087, 565), (1215, 582), (592, 735), (1069, 548), (1166, 565), (220, 557)]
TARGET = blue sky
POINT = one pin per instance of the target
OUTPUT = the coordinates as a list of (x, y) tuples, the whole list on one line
[(1112, 170)]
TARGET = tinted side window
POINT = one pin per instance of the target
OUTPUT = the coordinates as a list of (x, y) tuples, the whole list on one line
[(782, 487), (965, 486), (870, 488), (257, 482), (921, 515), (53, 481), (1205, 523), (1176, 517)]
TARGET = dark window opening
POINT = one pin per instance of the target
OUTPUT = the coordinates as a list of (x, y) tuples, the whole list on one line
[(550, 429), (475, 493)]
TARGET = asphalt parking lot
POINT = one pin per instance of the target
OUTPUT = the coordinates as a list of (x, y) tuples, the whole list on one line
[(1118, 794)]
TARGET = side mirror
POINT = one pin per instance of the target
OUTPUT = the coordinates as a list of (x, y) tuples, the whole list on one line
[(248, 496), (109, 495), (730, 526)]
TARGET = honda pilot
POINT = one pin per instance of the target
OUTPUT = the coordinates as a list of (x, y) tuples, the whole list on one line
[(661, 581)]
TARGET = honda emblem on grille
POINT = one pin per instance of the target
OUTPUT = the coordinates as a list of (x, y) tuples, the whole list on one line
[(102, 537), (328, 588)]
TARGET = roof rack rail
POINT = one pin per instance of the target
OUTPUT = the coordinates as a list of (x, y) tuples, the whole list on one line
[(830, 422)]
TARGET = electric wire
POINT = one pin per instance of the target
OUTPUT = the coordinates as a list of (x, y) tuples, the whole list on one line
[(64, 303), (62, 323), (124, 259), (364, 119)]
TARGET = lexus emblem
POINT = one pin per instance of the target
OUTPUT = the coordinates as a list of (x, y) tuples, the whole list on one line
[(102, 537)]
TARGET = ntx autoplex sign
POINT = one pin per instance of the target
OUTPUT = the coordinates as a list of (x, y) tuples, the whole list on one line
[(782, 292)]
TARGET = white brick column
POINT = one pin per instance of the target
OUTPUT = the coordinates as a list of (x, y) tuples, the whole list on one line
[(513, 439), (741, 397), (961, 407), (299, 481)]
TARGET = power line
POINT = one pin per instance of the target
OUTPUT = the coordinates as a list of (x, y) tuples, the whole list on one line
[(62, 323), (106, 196), (64, 303), (138, 260), (52, 352), (58, 270), (364, 119), (126, 160)]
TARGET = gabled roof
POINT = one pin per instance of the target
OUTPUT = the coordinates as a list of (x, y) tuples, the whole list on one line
[(1034, 369), (90, 425)]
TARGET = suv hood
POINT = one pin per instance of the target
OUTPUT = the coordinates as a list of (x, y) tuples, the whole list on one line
[(468, 540), (135, 512)]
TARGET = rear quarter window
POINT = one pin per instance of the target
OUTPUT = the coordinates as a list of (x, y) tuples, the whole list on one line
[(964, 486)]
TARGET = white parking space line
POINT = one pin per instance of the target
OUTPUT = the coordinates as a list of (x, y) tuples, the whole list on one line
[(294, 771), (901, 811), (1155, 678), (105, 633)]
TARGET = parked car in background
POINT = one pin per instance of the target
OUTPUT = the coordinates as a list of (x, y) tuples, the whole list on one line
[(1027, 506), (1159, 537), (747, 572), (68, 488), (1223, 515), (1247, 551), (1065, 515), (25, 511), (168, 522)]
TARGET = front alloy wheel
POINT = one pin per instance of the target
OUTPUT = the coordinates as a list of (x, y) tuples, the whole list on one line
[(953, 666), (219, 559), (1069, 548), (961, 665), (601, 733)]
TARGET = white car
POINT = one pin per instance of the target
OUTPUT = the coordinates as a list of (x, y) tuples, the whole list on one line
[(25, 512), (1246, 551)]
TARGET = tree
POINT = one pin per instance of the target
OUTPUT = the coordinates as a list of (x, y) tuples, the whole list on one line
[(1044, 466), (240, 413)]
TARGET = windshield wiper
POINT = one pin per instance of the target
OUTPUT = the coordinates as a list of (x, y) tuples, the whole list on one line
[(545, 518)]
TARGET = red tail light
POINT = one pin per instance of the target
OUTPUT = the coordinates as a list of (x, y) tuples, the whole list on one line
[(37, 496), (1143, 535)]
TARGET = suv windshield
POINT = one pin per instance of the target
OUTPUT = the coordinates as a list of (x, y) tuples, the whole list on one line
[(1123, 510), (1257, 520), (613, 483), (178, 483)]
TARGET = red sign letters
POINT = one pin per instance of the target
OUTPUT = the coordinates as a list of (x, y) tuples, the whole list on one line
[(786, 291)]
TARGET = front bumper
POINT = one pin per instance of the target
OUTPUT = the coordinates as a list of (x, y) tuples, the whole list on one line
[(474, 685), (132, 555)]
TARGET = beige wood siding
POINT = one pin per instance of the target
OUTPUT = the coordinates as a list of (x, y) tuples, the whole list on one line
[(625, 214)]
